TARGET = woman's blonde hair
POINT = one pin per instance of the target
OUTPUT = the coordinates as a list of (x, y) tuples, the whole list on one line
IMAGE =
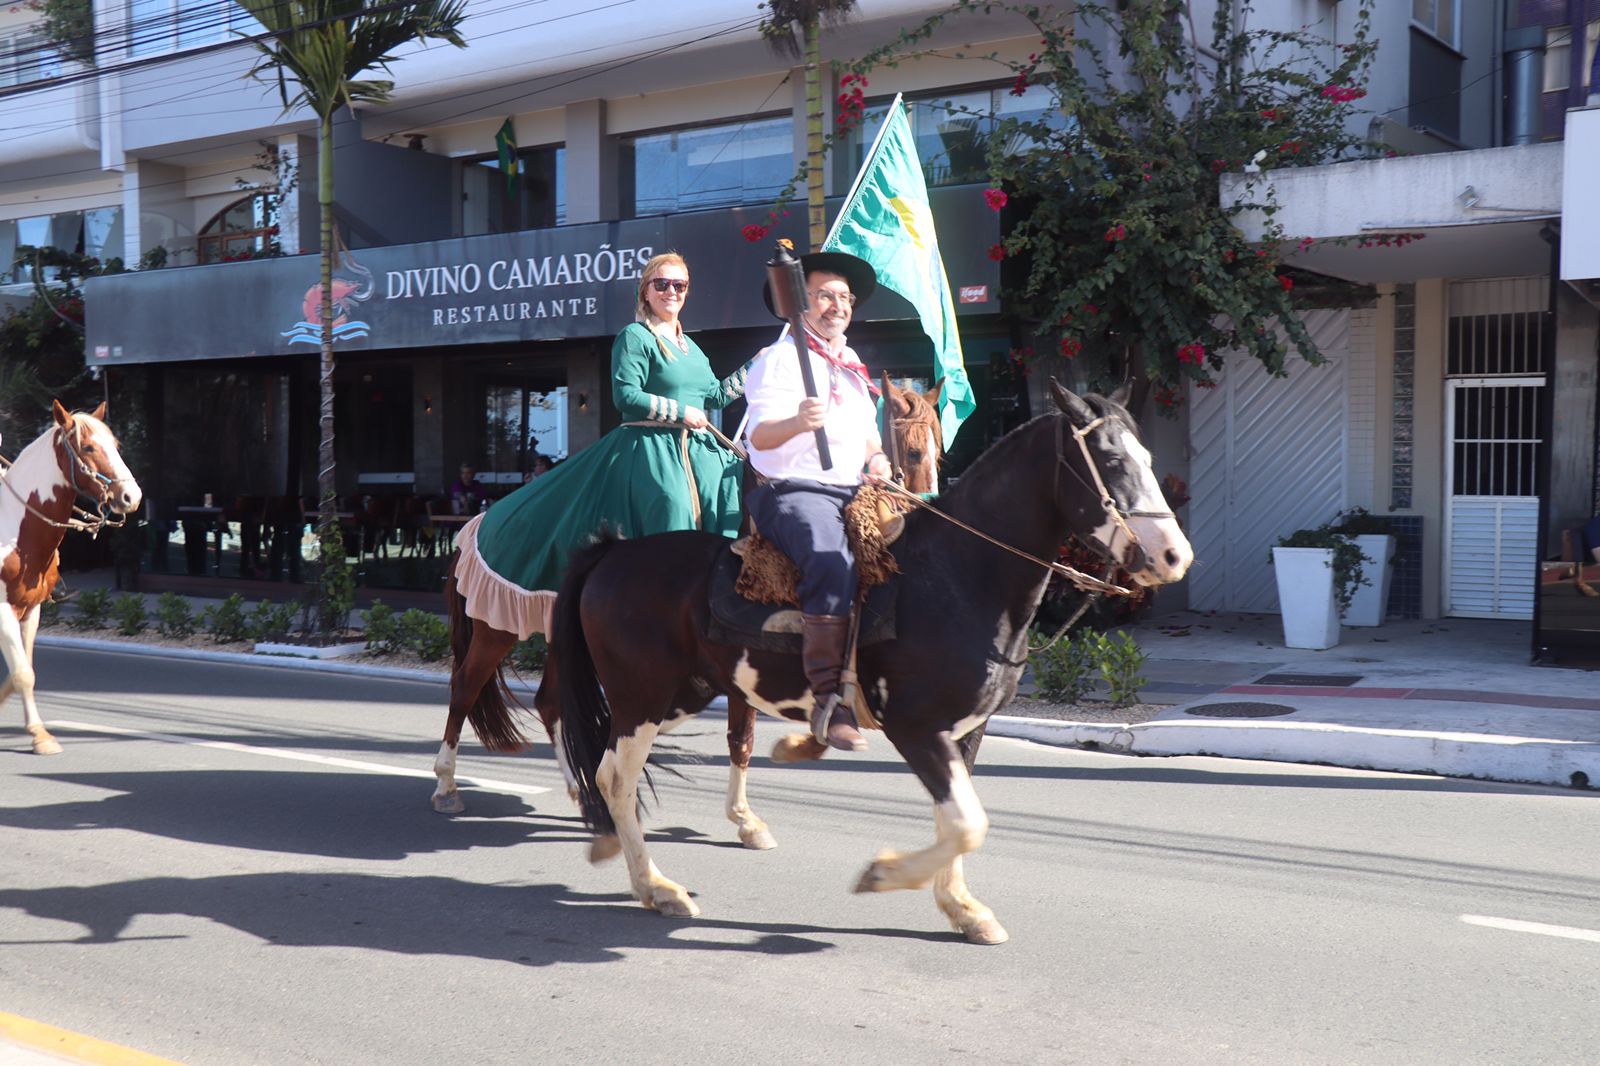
[(641, 308)]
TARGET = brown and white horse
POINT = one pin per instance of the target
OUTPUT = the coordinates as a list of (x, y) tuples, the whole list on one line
[(78, 457), (633, 658), (478, 693)]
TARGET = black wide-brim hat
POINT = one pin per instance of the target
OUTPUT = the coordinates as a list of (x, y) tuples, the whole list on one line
[(856, 272)]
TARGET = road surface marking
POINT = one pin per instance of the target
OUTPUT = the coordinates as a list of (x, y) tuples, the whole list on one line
[(298, 756), (78, 1048), (1565, 931)]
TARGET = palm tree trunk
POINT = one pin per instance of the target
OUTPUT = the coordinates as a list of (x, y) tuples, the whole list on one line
[(327, 484), (815, 214)]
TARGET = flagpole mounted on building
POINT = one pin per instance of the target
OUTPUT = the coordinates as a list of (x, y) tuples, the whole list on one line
[(787, 281)]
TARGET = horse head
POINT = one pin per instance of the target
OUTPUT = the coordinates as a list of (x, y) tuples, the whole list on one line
[(914, 420), (1098, 445), (93, 465)]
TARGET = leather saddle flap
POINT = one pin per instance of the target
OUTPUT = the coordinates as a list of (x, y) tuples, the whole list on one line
[(737, 621)]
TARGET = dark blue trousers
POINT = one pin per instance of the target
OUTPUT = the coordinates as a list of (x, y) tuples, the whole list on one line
[(805, 519)]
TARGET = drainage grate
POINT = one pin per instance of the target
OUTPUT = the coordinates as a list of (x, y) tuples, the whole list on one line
[(1240, 710), (1309, 680)]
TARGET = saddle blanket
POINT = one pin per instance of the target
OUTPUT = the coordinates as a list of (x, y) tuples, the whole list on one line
[(773, 627)]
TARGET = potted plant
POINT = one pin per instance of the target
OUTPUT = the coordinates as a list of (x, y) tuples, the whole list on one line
[(1375, 538), (1318, 571)]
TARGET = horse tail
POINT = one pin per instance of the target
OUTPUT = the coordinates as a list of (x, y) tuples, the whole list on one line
[(585, 714), (494, 710)]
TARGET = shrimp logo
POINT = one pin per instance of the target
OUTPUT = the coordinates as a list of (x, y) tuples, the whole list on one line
[(352, 284)]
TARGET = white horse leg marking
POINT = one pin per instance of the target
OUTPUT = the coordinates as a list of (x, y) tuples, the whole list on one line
[(561, 760), (967, 916), (618, 778), (446, 800), (960, 825), (753, 830), (16, 638)]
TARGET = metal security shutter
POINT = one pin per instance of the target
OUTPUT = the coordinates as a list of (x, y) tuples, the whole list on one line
[(1492, 546), (1269, 458)]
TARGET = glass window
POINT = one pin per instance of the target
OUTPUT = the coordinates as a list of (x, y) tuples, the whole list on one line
[(159, 26), (245, 229), (1438, 17), (709, 166), (952, 132), (26, 57), (1558, 55), (540, 199), (521, 419)]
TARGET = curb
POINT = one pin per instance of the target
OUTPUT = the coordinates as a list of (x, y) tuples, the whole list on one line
[(1479, 756)]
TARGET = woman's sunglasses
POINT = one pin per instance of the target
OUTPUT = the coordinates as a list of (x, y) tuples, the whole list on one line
[(677, 285)]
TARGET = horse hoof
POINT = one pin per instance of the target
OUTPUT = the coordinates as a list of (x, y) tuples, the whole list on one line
[(449, 803), (987, 931), (798, 747), (603, 848), (46, 746), (673, 904), (758, 839), (874, 879)]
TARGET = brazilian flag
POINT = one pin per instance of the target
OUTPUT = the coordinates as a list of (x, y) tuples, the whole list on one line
[(505, 140)]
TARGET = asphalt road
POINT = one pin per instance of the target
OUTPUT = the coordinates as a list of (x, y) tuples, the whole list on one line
[(238, 865)]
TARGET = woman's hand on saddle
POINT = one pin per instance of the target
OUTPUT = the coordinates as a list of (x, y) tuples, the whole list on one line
[(879, 470), (695, 418)]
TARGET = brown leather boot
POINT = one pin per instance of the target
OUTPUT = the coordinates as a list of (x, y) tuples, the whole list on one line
[(823, 639)]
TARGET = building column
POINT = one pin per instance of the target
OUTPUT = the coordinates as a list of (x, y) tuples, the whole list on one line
[(592, 174), (155, 213), (1427, 468), (427, 426)]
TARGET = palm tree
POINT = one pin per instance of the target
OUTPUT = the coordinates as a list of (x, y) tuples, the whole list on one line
[(317, 51), (784, 18)]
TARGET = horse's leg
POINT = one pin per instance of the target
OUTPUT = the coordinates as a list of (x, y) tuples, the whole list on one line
[(960, 825), (488, 648), (547, 702), (741, 740), (967, 915), (618, 778), (16, 644)]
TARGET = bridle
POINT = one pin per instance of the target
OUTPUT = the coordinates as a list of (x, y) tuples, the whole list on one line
[(1098, 485), (103, 486)]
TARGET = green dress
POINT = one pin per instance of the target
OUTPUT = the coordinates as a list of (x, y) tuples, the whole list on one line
[(649, 475)]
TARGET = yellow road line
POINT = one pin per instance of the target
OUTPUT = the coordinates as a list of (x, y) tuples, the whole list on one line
[(75, 1046)]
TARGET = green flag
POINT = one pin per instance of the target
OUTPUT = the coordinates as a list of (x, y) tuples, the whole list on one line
[(505, 140), (886, 220)]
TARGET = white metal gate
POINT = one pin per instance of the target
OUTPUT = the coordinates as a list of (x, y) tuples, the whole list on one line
[(1269, 457), (1492, 514)]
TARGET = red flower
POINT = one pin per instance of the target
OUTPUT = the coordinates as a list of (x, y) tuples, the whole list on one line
[(1192, 353), (1117, 232), (1070, 347), (1020, 86), (1218, 166), (1343, 94), (1270, 114), (1090, 309), (1227, 255), (1287, 282), (996, 198), (1306, 242), (753, 232), (997, 252)]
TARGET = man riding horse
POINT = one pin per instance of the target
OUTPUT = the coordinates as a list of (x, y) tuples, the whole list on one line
[(799, 504)]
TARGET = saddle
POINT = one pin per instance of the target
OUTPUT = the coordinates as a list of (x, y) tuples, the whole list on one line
[(752, 596)]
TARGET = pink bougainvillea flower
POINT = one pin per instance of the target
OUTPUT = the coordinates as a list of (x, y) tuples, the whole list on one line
[(1192, 353), (1071, 347), (1287, 282), (997, 252), (1117, 232), (996, 198), (754, 232)]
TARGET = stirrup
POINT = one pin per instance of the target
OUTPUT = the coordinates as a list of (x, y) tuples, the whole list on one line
[(821, 714)]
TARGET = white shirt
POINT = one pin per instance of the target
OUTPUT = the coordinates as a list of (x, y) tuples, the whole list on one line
[(774, 390)]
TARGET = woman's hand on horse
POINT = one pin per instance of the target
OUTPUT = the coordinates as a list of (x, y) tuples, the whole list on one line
[(695, 418)]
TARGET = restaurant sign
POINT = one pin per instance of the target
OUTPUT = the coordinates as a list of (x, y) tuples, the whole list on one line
[(534, 285)]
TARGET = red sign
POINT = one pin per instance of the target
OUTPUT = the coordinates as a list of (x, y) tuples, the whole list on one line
[(974, 294)]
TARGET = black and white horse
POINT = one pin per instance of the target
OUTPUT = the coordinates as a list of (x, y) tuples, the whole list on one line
[(632, 617)]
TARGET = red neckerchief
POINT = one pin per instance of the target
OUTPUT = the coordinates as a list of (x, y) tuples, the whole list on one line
[(833, 360)]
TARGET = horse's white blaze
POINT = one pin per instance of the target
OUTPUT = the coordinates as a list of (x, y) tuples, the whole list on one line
[(748, 678), (127, 493), (1167, 551)]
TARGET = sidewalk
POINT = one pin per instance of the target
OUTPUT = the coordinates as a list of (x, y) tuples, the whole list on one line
[(1456, 697)]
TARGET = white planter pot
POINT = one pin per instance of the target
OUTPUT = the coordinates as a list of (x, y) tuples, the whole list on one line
[(1305, 597), (1370, 601)]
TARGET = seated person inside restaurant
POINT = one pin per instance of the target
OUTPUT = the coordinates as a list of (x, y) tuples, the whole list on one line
[(467, 496)]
